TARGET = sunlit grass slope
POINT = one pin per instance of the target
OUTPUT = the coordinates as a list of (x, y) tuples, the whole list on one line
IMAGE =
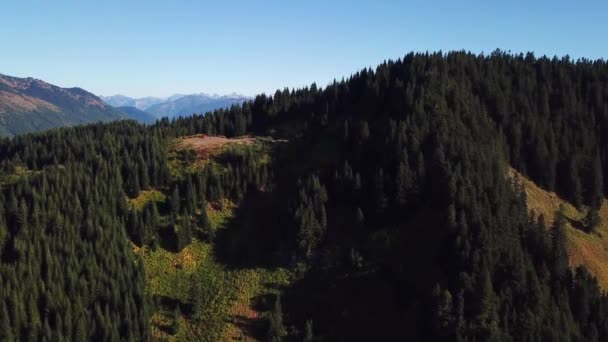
[(588, 249)]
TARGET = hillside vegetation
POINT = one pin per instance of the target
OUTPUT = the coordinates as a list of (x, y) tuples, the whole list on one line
[(30, 105), (589, 249), (375, 209), (229, 298)]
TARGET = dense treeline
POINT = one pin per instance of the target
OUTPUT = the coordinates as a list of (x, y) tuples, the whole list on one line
[(551, 112), (391, 195), (67, 272), (67, 269), (413, 154)]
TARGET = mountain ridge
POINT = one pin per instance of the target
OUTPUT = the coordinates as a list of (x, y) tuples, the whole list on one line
[(195, 103), (30, 104), (178, 104)]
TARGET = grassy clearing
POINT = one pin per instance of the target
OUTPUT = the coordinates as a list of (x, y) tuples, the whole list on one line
[(588, 249), (227, 296), (145, 197), (220, 212), (183, 160), (192, 154), (18, 173), (228, 293)]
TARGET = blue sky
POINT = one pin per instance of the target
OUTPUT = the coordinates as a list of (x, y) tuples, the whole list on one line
[(158, 48)]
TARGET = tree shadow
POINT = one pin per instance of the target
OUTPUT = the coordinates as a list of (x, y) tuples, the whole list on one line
[(168, 304), (167, 239), (251, 328), (578, 225), (250, 238)]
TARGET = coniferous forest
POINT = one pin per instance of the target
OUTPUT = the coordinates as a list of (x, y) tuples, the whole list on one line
[(385, 194)]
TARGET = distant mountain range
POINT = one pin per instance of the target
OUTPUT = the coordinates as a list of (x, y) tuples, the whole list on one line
[(139, 103), (29, 104), (138, 114), (176, 105)]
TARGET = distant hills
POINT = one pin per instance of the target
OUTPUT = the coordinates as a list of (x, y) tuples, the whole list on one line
[(138, 114), (139, 103), (29, 104), (176, 105)]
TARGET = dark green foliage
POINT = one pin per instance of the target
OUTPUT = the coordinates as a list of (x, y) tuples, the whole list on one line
[(174, 204), (309, 335), (592, 219), (558, 242), (204, 229), (276, 329), (310, 216), (391, 193), (175, 321)]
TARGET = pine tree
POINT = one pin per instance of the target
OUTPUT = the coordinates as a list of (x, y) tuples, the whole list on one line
[(6, 333), (379, 195), (558, 237), (309, 332), (204, 223), (276, 329), (402, 183), (592, 219), (174, 202), (576, 189), (359, 218), (364, 131), (175, 321)]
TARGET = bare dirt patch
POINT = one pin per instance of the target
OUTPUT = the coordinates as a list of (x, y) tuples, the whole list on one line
[(205, 145), (207, 142)]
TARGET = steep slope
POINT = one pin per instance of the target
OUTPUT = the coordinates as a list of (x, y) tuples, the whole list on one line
[(587, 249), (137, 114), (28, 104), (196, 103)]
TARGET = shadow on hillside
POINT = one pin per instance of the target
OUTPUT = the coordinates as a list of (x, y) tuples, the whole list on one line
[(165, 306), (168, 304), (257, 326), (251, 238), (251, 328), (578, 225), (166, 240)]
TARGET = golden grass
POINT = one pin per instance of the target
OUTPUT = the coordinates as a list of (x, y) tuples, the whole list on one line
[(227, 293), (588, 249), (145, 197), (218, 212), (227, 296)]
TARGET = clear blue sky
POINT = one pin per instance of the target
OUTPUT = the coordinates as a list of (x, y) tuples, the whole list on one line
[(159, 48)]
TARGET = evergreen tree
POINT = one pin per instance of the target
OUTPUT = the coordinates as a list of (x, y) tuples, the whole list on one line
[(558, 237), (175, 321), (175, 201), (309, 332), (276, 329)]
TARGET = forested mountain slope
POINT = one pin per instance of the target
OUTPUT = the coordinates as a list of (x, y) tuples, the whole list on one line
[(386, 204), (28, 105), (584, 247)]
